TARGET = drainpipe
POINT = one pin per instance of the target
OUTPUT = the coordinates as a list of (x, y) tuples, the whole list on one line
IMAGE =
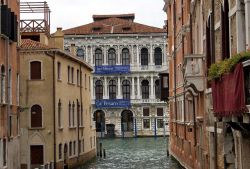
[(175, 80), (183, 53), (78, 128), (213, 61)]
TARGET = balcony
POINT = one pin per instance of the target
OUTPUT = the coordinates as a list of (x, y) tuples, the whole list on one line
[(112, 69), (194, 67), (146, 68)]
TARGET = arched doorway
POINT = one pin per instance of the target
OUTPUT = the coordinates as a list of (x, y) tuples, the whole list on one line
[(99, 118), (229, 149), (127, 121)]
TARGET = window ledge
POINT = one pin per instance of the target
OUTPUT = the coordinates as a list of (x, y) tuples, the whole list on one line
[(72, 84), (34, 80), (72, 127), (60, 128), (36, 128), (59, 80), (81, 127)]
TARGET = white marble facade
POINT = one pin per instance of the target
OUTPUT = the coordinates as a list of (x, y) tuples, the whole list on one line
[(85, 46)]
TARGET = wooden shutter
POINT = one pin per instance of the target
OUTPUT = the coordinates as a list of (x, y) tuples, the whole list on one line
[(5, 20), (36, 154), (35, 70), (13, 32), (36, 116)]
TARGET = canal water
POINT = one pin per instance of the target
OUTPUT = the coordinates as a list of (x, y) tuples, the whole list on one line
[(134, 153)]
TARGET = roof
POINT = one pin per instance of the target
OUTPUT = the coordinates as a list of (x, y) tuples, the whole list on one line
[(112, 25), (121, 16), (30, 44)]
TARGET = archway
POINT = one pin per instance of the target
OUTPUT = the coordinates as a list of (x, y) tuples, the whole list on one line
[(229, 149), (127, 121), (99, 118)]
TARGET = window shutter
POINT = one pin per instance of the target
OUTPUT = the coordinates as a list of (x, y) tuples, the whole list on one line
[(13, 33), (36, 154), (5, 20), (35, 70)]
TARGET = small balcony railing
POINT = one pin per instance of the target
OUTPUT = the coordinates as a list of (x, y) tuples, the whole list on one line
[(37, 25), (194, 70), (157, 68)]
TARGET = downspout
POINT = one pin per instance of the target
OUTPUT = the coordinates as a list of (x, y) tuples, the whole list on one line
[(184, 86), (78, 128), (213, 61), (54, 107), (175, 80)]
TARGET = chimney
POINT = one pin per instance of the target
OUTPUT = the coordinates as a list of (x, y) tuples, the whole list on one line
[(58, 39), (73, 49)]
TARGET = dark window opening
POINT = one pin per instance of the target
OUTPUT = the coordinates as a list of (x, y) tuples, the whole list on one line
[(145, 89), (98, 57), (125, 57), (98, 90), (35, 70), (112, 89), (144, 56), (111, 57), (126, 89), (158, 56), (36, 116)]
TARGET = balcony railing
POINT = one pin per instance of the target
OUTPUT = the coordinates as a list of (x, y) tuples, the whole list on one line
[(112, 69), (194, 70), (106, 103), (38, 25), (157, 68)]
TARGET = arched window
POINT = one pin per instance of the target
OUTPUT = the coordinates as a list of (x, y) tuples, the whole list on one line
[(144, 56), (98, 57), (111, 57), (3, 84), (145, 89), (36, 116), (126, 89), (35, 70), (157, 89), (98, 90), (60, 151), (112, 89), (125, 57), (80, 52), (158, 56)]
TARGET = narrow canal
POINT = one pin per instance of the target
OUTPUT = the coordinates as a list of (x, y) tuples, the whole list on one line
[(134, 153)]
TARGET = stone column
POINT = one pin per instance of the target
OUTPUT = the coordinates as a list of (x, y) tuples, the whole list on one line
[(105, 88), (131, 54), (119, 96), (133, 88), (247, 18), (138, 88), (151, 87), (91, 55), (138, 56), (151, 62), (105, 55), (240, 28), (118, 55)]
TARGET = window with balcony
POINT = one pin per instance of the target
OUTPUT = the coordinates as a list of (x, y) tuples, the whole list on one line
[(144, 56), (98, 90), (158, 56), (98, 57), (125, 57), (35, 70), (111, 57), (36, 116), (80, 52), (145, 89), (157, 89), (112, 89), (126, 89)]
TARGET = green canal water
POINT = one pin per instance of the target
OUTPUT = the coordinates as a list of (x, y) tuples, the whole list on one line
[(134, 153)]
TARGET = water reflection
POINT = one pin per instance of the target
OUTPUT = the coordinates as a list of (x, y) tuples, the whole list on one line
[(134, 153)]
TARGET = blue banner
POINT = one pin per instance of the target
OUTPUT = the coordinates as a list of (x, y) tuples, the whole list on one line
[(115, 103), (112, 69)]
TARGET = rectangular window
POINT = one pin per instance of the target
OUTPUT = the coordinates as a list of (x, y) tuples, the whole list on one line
[(60, 151), (85, 79), (73, 114), (72, 75), (35, 70), (10, 126), (18, 89), (159, 111), (79, 146), (74, 147), (59, 114), (145, 111), (81, 78), (77, 77), (4, 152), (90, 142), (159, 123), (36, 155), (58, 70), (10, 85), (68, 74), (70, 148), (83, 146), (146, 123), (69, 115)]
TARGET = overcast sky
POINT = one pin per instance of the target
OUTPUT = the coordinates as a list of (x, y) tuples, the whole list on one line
[(72, 13)]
